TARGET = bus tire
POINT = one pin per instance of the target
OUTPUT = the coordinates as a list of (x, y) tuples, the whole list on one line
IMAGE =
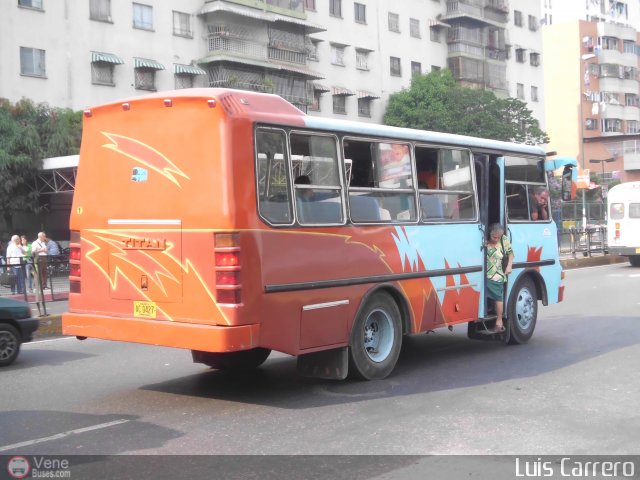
[(10, 341), (235, 361), (376, 339), (523, 311), (634, 260)]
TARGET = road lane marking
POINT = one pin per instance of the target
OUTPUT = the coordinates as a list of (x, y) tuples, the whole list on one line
[(33, 342), (62, 435)]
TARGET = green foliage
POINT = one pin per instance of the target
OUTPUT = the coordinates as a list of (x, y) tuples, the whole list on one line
[(436, 102), (30, 132)]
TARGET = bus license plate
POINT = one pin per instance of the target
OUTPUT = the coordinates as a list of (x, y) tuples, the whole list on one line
[(144, 309)]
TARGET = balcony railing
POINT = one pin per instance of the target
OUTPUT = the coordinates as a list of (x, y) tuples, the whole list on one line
[(287, 56), (239, 46)]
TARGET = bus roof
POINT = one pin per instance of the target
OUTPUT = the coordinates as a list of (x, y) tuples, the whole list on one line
[(269, 108), (372, 129)]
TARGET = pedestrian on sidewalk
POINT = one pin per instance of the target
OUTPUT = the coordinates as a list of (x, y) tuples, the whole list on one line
[(15, 256), (39, 251), (28, 261)]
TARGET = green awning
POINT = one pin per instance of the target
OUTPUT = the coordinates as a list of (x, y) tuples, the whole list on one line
[(106, 58), (146, 63), (188, 69)]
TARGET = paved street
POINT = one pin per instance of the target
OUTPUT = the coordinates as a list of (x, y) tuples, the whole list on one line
[(572, 390)]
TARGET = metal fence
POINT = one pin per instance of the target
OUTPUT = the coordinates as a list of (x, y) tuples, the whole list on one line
[(36, 282), (583, 242)]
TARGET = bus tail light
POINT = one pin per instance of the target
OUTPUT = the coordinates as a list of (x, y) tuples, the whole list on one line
[(227, 265), (75, 268), (617, 230)]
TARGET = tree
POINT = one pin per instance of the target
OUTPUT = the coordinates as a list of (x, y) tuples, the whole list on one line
[(436, 102), (30, 132)]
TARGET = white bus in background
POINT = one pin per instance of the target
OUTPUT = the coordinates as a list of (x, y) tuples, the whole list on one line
[(623, 225)]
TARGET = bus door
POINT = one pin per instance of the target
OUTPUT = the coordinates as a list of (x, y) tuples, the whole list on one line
[(495, 210)]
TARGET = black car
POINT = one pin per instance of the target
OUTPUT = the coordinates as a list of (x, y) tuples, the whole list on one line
[(16, 327)]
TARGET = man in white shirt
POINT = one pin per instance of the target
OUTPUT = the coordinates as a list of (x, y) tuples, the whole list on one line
[(39, 252)]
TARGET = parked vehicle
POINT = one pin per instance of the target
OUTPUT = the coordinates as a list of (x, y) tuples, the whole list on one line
[(623, 228), (17, 326)]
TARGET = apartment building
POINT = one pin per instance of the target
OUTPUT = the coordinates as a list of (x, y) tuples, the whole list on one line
[(593, 87), (335, 58), (372, 48)]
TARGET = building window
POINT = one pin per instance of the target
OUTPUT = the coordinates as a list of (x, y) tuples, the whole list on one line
[(102, 68), (434, 34), (629, 46), (534, 59), (630, 73), (337, 54), (517, 18), (533, 23), (534, 94), (310, 5), (612, 125), (315, 104), (335, 8), (32, 62), (435, 68), (184, 81), (362, 59), (364, 107), (520, 91), (182, 24), (340, 104), (591, 124), (313, 51), (395, 67), (142, 16), (100, 10), (632, 126), (631, 100), (36, 4), (520, 55), (394, 22), (416, 68), (145, 73), (360, 12), (414, 27)]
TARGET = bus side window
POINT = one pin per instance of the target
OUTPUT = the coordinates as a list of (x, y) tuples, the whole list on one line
[(317, 187), (274, 200), (381, 172), (517, 206)]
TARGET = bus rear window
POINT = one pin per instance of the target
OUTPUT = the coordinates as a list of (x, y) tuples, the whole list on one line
[(616, 211), (634, 210)]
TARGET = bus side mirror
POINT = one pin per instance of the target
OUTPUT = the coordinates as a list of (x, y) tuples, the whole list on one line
[(567, 184)]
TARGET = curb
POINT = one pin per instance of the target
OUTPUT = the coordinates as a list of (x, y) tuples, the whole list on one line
[(580, 262), (50, 326)]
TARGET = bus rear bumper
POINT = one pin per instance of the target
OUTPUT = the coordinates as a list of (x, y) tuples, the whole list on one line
[(207, 338), (624, 251)]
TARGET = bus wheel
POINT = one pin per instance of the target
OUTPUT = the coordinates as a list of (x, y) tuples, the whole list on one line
[(376, 339), (239, 361), (634, 260), (523, 311)]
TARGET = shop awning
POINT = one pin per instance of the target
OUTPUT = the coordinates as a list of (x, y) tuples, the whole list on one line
[(146, 63), (365, 94), (188, 69), (341, 91), (321, 88), (106, 58)]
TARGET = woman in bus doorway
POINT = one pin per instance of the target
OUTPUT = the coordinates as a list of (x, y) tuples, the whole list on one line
[(499, 265)]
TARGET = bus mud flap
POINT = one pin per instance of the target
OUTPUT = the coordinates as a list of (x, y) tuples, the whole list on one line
[(329, 364)]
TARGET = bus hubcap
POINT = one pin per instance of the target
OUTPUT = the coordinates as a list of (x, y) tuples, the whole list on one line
[(525, 308), (378, 335)]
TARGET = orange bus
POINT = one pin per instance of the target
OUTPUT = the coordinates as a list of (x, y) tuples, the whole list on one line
[(231, 224)]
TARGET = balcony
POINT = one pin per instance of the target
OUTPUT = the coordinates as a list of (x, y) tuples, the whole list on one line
[(499, 5), (473, 10)]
